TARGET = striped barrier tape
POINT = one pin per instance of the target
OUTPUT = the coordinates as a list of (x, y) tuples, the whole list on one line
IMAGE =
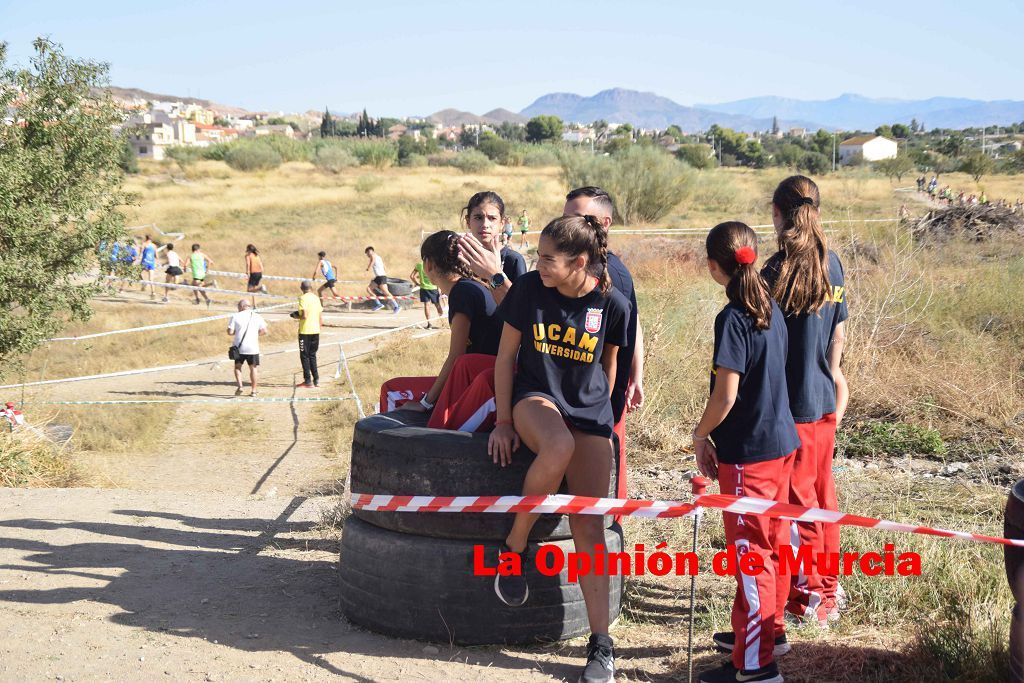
[(162, 326), (168, 285), (229, 273), (237, 399), (195, 364), (583, 505)]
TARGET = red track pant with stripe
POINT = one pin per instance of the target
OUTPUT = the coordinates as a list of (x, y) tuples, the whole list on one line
[(812, 485), (466, 402), (757, 611)]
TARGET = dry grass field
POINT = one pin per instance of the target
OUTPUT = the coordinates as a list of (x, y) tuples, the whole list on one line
[(936, 335)]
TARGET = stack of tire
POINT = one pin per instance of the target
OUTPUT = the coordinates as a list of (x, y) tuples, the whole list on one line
[(410, 574)]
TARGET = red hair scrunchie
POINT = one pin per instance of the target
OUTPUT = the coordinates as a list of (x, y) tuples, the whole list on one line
[(745, 256)]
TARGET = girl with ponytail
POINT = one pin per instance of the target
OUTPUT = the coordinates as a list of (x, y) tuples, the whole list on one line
[(564, 324), (806, 279), (475, 332), (746, 439)]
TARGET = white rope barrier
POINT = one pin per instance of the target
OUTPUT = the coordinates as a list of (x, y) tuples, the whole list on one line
[(316, 280)]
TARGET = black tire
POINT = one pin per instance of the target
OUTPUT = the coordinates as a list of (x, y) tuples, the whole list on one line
[(399, 287), (396, 454), (424, 588)]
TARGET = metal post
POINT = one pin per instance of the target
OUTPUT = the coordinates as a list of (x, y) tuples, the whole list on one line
[(698, 485)]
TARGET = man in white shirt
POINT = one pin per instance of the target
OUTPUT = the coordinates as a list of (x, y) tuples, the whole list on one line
[(379, 284), (246, 326)]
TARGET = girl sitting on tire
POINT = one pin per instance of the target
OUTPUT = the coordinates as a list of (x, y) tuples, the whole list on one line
[(564, 324), (463, 390)]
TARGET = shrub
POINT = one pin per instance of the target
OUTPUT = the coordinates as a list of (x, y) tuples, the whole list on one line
[(540, 156), (414, 161), (645, 182), (288, 149), (890, 438), (185, 156), (376, 153), (494, 147), (471, 161), (699, 156), (334, 158), (216, 152), (252, 156), (367, 183)]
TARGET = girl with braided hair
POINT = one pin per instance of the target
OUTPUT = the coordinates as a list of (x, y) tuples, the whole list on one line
[(747, 440), (475, 332), (564, 324), (806, 279)]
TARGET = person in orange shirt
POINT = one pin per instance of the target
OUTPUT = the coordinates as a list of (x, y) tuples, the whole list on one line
[(254, 269)]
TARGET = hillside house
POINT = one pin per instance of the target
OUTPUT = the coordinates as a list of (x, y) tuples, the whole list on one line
[(868, 148), (151, 137), (278, 129), (211, 135)]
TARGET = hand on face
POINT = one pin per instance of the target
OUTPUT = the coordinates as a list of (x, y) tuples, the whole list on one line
[(482, 260)]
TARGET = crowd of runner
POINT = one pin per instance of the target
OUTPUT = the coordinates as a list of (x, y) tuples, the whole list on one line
[(950, 197)]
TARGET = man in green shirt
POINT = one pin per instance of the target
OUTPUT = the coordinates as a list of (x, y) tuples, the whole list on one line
[(429, 293)]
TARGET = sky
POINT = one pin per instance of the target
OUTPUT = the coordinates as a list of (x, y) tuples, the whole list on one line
[(413, 58)]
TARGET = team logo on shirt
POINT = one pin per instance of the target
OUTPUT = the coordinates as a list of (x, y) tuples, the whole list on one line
[(592, 323)]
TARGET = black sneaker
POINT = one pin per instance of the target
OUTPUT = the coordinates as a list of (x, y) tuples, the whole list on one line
[(727, 641), (727, 673), (600, 666), (512, 590)]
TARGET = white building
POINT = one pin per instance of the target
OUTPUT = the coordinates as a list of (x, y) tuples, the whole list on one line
[(868, 148)]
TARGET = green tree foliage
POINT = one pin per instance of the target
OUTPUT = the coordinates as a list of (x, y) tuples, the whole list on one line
[(471, 161), (513, 132), (884, 131), (897, 167), (618, 145), (334, 158), (954, 145), (915, 126), (675, 132), (977, 165), (496, 148), (544, 128), (408, 146), (698, 156), (327, 125), (815, 163), (184, 156), (60, 192), (645, 182), (250, 155), (128, 162), (901, 130)]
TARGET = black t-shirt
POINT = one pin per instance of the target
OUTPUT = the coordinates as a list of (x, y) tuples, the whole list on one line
[(623, 281), (812, 389), (759, 427), (512, 264), (474, 300), (560, 352)]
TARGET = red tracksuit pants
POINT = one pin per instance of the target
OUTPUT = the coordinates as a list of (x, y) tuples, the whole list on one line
[(757, 610), (466, 402), (812, 485)]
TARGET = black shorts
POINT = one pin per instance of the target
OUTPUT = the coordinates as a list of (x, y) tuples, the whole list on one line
[(380, 280), (430, 296), (173, 270), (254, 279), (252, 359)]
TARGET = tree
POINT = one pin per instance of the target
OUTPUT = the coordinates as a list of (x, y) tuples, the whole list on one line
[(884, 131), (366, 126), (60, 192), (896, 167), (915, 127), (698, 156), (675, 132), (128, 162), (327, 125), (543, 128), (815, 163), (900, 130), (954, 144), (976, 165), (775, 125), (494, 147)]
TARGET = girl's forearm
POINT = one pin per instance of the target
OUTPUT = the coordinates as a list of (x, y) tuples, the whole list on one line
[(715, 412), (503, 370)]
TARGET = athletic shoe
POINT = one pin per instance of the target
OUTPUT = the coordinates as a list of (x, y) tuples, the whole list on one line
[(512, 590), (254, 394), (840, 596), (727, 673), (304, 385), (396, 309), (263, 288), (600, 666), (238, 391), (726, 642), (428, 327), (316, 385), (379, 306), (799, 613)]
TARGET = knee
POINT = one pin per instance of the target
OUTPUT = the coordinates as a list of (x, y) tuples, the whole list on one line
[(557, 450)]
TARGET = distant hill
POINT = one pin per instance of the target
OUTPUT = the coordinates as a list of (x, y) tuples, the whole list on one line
[(454, 117), (137, 93), (856, 112), (649, 110), (505, 116)]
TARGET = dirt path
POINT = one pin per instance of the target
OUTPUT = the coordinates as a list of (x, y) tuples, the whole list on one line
[(203, 560)]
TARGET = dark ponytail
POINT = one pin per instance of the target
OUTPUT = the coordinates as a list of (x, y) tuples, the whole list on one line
[(442, 250), (803, 284), (733, 246), (576, 235)]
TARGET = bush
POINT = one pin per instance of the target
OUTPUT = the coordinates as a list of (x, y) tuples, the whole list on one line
[(216, 152), (414, 161), (645, 182), (288, 149), (185, 156), (367, 183), (252, 156), (494, 147), (471, 161), (128, 162), (376, 153), (890, 438), (539, 157), (699, 156), (334, 158)]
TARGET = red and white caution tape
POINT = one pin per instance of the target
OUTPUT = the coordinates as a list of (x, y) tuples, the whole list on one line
[(583, 505)]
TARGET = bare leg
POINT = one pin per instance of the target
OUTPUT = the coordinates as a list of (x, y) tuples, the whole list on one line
[(589, 474), (238, 375), (542, 429), (254, 375), (384, 290)]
